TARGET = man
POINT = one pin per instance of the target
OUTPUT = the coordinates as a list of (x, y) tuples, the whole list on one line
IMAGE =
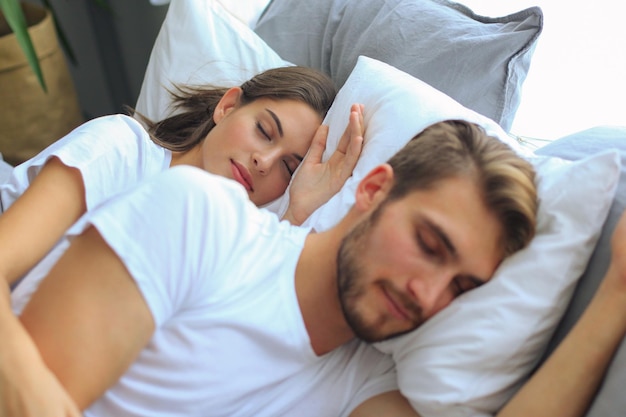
[(182, 298)]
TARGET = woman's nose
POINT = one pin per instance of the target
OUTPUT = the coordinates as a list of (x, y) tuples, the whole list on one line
[(264, 160)]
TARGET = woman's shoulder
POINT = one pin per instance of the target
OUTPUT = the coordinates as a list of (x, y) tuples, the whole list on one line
[(115, 122), (119, 133)]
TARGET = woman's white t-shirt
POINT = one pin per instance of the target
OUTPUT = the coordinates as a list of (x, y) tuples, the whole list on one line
[(112, 154)]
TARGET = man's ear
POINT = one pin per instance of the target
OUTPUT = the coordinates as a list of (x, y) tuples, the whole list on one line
[(374, 187), (228, 102)]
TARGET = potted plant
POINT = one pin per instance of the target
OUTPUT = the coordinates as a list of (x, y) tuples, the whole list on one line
[(39, 102)]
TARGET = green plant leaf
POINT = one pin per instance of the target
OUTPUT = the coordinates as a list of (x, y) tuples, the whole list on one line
[(17, 22)]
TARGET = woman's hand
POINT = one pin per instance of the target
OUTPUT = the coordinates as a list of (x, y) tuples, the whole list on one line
[(27, 387), (316, 181)]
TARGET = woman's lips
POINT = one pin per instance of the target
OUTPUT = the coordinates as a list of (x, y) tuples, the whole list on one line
[(241, 175)]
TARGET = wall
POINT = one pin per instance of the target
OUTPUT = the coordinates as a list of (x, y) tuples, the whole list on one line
[(112, 48), (576, 79)]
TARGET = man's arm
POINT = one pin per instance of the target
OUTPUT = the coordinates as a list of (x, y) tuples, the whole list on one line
[(566, 383), (88, 318), (388, 404)]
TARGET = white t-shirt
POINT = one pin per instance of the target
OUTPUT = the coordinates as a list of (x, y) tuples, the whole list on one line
[(112, 153), (218, 277)]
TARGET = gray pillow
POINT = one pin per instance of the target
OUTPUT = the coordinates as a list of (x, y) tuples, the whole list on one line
[(5, 171), (479, 61), (610, 400)]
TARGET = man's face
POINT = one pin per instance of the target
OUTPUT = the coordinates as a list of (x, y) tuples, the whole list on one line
[(413, 256)]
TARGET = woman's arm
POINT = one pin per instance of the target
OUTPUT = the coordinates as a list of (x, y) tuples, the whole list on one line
[(88, 314), (39, 217), (28, 230), (316, 181), (27, 387)]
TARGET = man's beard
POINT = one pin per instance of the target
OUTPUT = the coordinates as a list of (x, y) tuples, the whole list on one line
[(350, 273)]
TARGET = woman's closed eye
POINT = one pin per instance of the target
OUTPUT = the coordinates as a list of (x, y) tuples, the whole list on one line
[(289, 168), (263, 131), (292, 163)]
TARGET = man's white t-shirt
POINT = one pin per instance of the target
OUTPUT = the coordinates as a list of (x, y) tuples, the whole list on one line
[(218, 276), (112, 154)]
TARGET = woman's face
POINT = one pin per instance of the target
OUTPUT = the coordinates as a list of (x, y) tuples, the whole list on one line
[(260, 144)]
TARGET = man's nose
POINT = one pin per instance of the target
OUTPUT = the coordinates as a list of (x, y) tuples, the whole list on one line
[(432, 293)]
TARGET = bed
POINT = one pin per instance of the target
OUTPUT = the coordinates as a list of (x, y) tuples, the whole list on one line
[(412, 63)]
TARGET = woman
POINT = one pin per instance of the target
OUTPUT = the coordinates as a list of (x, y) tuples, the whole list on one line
[(256, 134)]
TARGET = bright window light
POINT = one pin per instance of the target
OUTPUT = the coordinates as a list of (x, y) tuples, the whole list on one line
[(577, 77)]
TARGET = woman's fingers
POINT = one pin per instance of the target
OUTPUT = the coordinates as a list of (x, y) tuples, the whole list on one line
[(352, 156), (318, 145), (344, 158), (354, 128)]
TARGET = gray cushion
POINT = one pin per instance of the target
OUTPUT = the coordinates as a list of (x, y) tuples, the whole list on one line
[(5, 170), (610, 401), (5, 173), (479, 61)]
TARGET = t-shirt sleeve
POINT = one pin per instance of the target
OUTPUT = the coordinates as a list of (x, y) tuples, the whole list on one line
[(112, 154), (376, 373), (169, 233)]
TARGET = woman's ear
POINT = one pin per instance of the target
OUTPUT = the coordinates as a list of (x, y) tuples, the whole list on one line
[(228, 102), (374, 187)]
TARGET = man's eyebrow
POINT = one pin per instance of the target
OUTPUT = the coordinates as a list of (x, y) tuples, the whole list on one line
[(443, 236), (451, 249), (277, 120)]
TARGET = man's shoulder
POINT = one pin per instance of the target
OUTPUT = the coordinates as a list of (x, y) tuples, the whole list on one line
[(206, 195), (195, 181)]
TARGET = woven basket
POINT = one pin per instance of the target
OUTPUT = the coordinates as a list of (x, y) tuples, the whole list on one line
[(31, 119)]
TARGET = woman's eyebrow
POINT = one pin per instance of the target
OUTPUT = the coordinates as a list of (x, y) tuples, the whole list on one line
[(277, 120)]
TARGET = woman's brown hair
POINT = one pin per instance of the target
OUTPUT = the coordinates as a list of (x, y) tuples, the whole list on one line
[(194, 105)]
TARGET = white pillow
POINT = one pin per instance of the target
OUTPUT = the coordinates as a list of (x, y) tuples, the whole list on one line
[(470, 358), (397, 107), (201, 42), (248, 11)]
